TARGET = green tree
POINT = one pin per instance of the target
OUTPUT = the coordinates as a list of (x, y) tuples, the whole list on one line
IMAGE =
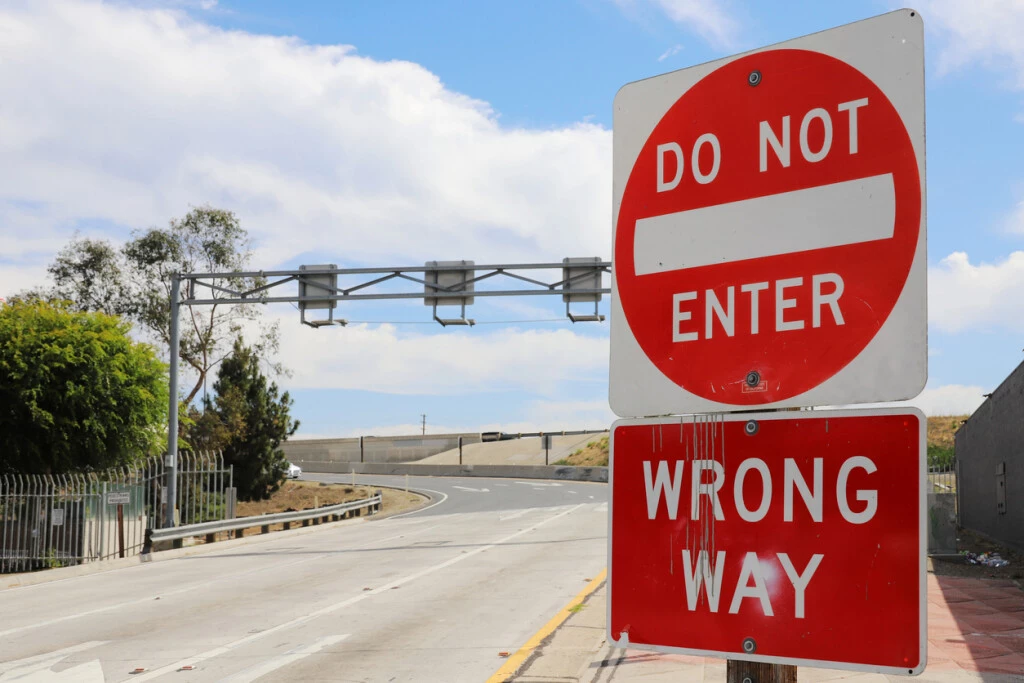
[(135, 282), (76, 391), (248, 421)]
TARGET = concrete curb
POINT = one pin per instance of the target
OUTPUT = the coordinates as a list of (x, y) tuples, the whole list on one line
[(556, 472), (532, 648), (9, 581)]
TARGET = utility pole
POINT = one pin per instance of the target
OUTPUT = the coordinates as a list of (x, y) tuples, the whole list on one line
[(424, 416), (171, 462)]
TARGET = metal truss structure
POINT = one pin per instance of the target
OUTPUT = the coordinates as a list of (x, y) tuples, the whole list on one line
[(440, 283)]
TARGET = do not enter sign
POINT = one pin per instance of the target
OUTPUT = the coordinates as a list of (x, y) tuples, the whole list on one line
[(769, 232)]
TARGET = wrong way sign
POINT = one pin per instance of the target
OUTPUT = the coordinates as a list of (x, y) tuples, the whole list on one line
[(769, 244), (771, 537)]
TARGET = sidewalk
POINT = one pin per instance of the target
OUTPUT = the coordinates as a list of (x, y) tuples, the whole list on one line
[(975, 633)]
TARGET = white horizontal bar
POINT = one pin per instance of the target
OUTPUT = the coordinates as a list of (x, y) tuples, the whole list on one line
[(848, 212)]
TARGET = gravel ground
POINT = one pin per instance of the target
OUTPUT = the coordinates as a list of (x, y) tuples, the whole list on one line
[(972, 542)]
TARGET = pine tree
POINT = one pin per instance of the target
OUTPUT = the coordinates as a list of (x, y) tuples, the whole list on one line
[(248, 421)]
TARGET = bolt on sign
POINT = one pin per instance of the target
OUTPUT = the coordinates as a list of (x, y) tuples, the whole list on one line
[(771, 538), (769, 227)]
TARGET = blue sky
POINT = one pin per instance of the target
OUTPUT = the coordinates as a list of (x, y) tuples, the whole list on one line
[(371, 133)]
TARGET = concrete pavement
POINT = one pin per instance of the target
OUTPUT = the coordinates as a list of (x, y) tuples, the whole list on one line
[(480, 495), (429, 596), (975, 633)]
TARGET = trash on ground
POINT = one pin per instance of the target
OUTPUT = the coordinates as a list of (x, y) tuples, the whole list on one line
[(985, 559)]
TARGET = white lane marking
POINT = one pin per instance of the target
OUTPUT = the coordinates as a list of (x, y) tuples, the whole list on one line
[(86, 672), (37, 665), (603, 507), (149, 675), (538, 483), (149, 598), (290, 657), (199, 584), (784, 223), (517, 513), (466, 488), (444, 497)]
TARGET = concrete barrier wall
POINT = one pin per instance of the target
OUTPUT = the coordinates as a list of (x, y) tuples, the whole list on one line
[(990, 456), (376, 449), (594, 474), (942, 524)]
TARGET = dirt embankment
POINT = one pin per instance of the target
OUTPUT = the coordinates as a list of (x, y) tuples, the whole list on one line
[(594, 454), (306, 495), (303, 495)]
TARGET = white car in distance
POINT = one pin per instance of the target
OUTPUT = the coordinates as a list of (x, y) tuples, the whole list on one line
[(294, 471)]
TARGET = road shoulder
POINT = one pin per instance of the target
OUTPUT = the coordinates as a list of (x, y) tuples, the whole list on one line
[(566, 646)]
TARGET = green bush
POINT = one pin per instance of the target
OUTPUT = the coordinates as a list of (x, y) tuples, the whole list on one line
[(941, 457), (76, 391)]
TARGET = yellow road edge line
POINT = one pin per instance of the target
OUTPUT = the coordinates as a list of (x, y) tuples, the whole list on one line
[(515, 661)]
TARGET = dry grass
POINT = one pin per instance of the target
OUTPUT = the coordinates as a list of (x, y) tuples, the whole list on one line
[(594, 454), (942, 429), (304, 495)]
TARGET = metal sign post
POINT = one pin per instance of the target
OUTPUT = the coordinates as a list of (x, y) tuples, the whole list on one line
[(120, 499)]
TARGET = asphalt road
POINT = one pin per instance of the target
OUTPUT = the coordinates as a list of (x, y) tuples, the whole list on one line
[(433, 595)]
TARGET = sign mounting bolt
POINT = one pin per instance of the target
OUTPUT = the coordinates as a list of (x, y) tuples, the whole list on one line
[(753, 378), (749, 646), (751, 427), (754, 79)]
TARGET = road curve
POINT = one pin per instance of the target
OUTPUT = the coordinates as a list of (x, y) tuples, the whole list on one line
[(432, 595)]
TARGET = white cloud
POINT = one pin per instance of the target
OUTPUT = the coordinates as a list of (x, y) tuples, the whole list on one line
[(129, 115), (378, 358), (710, 19), (947, 399), (990, 32), (672, 51), (1015, 220), (18, 278), (967, 296), (539, 416)]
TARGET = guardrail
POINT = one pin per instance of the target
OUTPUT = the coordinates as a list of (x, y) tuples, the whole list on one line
[(209, 529)]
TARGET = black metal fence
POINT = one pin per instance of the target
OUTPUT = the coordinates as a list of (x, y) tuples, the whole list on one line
[(57, 520)]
